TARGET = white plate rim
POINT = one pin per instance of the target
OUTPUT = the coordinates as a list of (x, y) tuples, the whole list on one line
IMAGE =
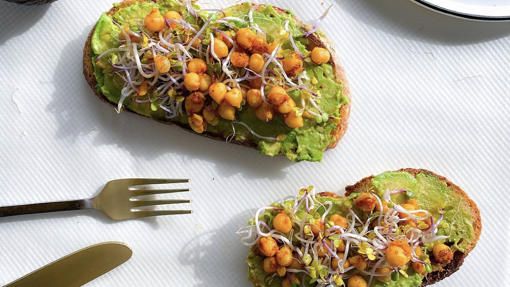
[(461, 14)]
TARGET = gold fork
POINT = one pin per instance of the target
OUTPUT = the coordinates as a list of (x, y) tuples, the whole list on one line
[(115, 200)]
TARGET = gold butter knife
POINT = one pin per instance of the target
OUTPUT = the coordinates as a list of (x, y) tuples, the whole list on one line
[(77, 268)]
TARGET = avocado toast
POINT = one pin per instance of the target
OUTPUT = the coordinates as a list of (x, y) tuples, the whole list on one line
[(249, 74), (405, 228)]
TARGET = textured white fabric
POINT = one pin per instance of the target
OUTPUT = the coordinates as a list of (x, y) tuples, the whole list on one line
[(429, 91)]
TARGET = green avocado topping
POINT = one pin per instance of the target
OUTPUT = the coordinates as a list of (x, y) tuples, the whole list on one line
[(318, 238), (315, 90)]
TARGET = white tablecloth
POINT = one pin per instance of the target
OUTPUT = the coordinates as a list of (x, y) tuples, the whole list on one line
[(429, 91)]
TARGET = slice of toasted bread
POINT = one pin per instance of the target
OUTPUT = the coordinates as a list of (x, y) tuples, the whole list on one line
[(315, 40), (255, 256), (468, 204)]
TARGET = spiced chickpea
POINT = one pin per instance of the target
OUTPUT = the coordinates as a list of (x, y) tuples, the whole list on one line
[(270, 264), (172, 15), (154, 22), (320, 55), (264, 112), (192, 81), (282, 223), (442, 253), (292, 65), (227, 111), (234, 98), (254, 98), (197, 66), (268, 246), (356, 281), (284, 256), (366, 201), (220, 48), (292, 120), (217, 91), (245, 37), (239, 59)]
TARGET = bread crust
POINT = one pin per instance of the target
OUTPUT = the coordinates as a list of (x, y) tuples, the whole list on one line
[(316, 40), (458, 257)]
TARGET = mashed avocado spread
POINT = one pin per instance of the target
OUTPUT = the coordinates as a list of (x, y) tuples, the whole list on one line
[(326, 232), (147, 71)]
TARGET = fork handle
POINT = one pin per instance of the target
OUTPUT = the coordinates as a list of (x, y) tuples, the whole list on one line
[(45, 207)]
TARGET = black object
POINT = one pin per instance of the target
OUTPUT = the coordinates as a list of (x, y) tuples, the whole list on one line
[(32, 2)]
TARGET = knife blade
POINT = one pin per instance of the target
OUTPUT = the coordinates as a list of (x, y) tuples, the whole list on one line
[(77, 268)]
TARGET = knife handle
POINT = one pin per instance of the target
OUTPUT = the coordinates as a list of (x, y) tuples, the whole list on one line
[(45, 207)]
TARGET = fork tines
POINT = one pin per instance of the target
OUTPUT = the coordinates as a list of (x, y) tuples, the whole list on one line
[(149, 191)]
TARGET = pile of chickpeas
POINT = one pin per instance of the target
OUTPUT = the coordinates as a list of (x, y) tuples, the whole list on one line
[(279, 257), (248, 53)]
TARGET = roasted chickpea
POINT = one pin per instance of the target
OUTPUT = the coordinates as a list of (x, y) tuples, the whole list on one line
[(442, 253), (282, 223), (398, 253), (339, 220), (277, 95), (254, 98), (383, 270), (227, 111), (205, 82), (217, 91), (408, 207), (194, 103), (284, 256), (287, 106), (256, 83), (286, 281), (358, 261), (245, 37), (419, 268), (142, 90), (271, 47), (281, 271), (256, 63), (220, 48), (295, 263), (265, 112), (270, 265), (366, 201), (224, 39), (211, 116), (239, 59), (384, 206), (189, 38), (292, 65), (234, 98), (154, 22), (317, 227), (320, 55), (162, 64), (127, 31), (268, 246), (356, 281), (293, 121), (192, 81), (258, 46), (244, 92), (197, 66), (197, 123), (322, 251), (334, 261), (341, 247), (172, 15)]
